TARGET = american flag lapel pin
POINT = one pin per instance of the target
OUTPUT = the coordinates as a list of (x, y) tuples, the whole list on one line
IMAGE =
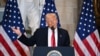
[(60, 36)]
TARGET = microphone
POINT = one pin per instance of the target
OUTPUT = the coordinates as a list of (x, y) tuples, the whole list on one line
[(52, 28)]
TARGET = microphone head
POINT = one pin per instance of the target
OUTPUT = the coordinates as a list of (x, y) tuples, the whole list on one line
[(52, 28)]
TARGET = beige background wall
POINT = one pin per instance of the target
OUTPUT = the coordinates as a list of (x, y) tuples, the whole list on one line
[(69, 13)]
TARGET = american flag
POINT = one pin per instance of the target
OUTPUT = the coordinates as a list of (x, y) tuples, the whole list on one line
[(9, 45), (49, 7), (87, 42)]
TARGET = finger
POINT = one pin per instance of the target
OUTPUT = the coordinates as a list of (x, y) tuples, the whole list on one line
[(12, 27), (14, 30), (18, 28)]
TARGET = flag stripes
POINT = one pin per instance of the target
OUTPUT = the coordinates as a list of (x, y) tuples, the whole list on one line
[(6, 46), (9, 42), (87, 47), (78, 48), (87, 41), (1, 54), (19, 48), (10, 48)]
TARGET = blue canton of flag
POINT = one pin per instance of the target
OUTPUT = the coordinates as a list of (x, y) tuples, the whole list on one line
[(48, 7), (9, 45), (87, 42), (12, 18), (87, 20)]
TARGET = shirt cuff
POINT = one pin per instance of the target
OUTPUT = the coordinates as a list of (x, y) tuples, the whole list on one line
[(19, 36)]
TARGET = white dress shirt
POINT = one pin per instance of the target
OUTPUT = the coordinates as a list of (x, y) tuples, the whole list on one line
[(49, 37)]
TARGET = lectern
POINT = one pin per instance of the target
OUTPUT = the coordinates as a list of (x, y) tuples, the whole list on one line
[(53, 51)]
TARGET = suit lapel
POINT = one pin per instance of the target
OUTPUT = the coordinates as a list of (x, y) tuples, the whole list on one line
[(59, 37), (46, 36)]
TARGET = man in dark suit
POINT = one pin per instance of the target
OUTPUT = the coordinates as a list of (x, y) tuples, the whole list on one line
[(51, 36)]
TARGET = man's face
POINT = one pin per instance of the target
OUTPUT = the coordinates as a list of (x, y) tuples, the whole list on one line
[(51, 20)]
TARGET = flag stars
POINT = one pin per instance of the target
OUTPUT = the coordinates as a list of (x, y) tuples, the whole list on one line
[(5, 25), (14, 1), (85, 19), (91, 5), (80, 23), (55, 11), (42, 19), (79, 28), (13, 37), (10, 11), (90, 15), (83, 29), (82, 13), (7, 4), (88, 31), (9, 31), (9, 26), (42, 24), (48, 9), (89, 25), (18, 17), (13, 32), (43, 8), (14, 11), (10, 5), (88, 4), (83, 7), (84, 24), (52, 10), (87, 9), (93, 27), (43, 13), (18, 22), (5, 20), (86, 14), (14, 16), (6, 15), (81, 18), (13, 26), (84, 2), (94, 22), (52, 5), (10, 16), (48, 4), (91, 0), (14, 6), (9, 21), (6, 9), (94, 17), (23, 28), (83, 34), (11, 0), (18, 12), (14, 21), (90, 20), (91, 10)]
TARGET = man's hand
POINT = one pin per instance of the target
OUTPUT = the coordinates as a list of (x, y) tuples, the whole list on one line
[(17, 31)]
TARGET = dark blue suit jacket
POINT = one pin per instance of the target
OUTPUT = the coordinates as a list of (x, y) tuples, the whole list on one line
[(40, 38)]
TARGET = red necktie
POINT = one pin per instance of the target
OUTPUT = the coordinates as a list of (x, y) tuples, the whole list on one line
[(53, 39)]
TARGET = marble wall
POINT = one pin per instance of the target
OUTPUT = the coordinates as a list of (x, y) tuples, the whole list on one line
[(68, 11)]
